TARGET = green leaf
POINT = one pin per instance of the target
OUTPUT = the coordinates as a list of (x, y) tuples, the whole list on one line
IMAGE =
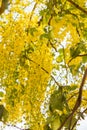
[(72, 87), (47, 127), (60, 50), (55, 124), (1, 94), (85, 33), (84, 59), (74, 52), (83, 15), (60, 57), (32, 30), (57, 101), (46, 35), (78, 49), (72, 68)]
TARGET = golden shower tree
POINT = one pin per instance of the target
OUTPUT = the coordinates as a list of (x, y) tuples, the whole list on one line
[(43, 52)]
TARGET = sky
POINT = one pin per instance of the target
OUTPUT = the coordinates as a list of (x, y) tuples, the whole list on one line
[(83, 125)]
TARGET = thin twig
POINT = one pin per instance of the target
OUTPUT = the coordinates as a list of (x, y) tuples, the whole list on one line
[(65, 64), (53, 46), (10, 125), (77, 6), (44, 70), (78, 119), (33, 11), (80, 55), (72, 96)]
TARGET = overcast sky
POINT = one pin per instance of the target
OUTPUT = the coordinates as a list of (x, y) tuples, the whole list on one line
[(83, 125)]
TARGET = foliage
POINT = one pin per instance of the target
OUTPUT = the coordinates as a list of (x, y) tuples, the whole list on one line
[(43, 51)]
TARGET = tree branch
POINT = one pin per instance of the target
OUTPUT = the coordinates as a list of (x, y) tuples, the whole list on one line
[(44, 70), (77, 6), (78, 101), (72, 96), (64, 55), (4, 6), (80, 55), (53, 46), (33, 11)]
